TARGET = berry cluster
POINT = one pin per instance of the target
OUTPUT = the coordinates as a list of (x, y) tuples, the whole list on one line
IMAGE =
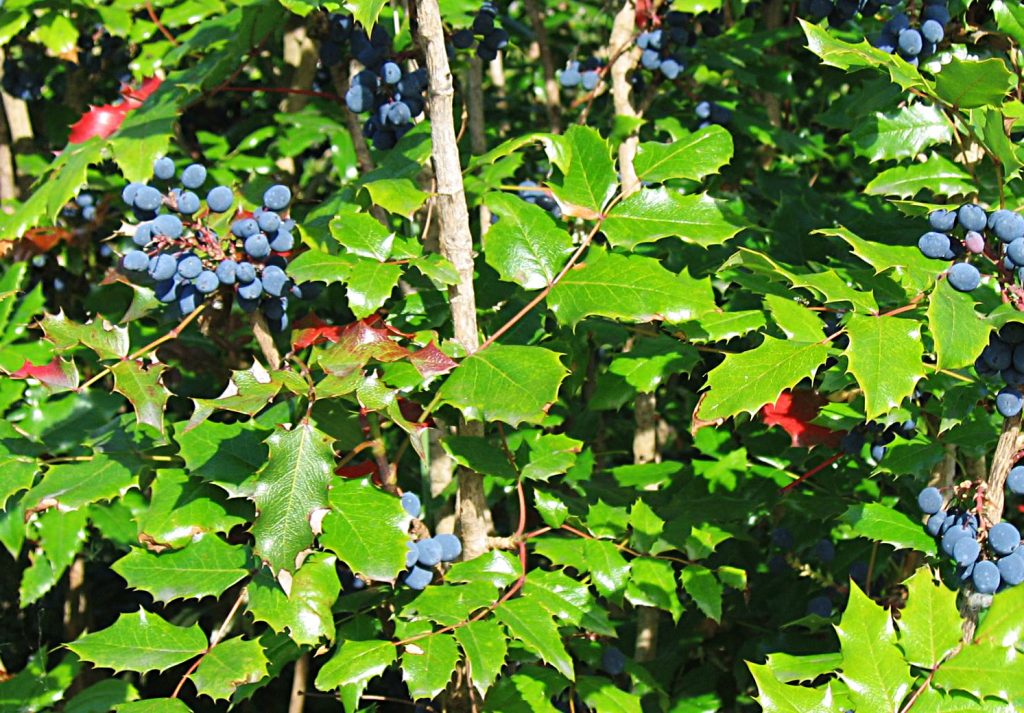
[(339, 32), (839, 12), (492, 39), (964, 231), (186, 259), (711, 113), (878, 435), (425, 554), (84, 206), (1004, 356), (586, 74), (915, 43), (540, 198), (393, 99), (987, 556), (660, 47)]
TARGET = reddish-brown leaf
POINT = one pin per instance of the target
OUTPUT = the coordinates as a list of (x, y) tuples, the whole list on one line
[(431, 361), (794, 411), (58, 374)]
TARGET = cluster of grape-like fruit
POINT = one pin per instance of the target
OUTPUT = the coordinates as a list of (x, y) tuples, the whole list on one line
[(839, 12), (878, 435), (964, 231), (492, 39), (586, 74), (540, 198), (915, 43), (425, 554), (990, 557), (84, 207), (185, 259), (660, 47), (708, 113), (1004, 356), (24, 75)]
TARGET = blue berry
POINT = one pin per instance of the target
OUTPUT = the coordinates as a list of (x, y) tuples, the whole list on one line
[(277, 197), (188, 299), (168, 225), (930, 500), (193, 176), (932, 31), (953, 535), (910, 42), (934, 524), (613, 661), (986, 577), (966, 551), (166, 291), (147, 198), (257, 246), (84, 200), (129, 192), (226, 272), (269, 221), (135, 260), (964, 277), (163, 168), (189, 266), (143, 234), (1015, 481), (1009, 402), (251, 290), (463, 39), (1003, 538), (942, 220), (274, 280), (207, 282), (418, 578), (188, 203), (220, 199), (390, 73), (245, 228), (1011, 569), (934, 245), (245, 272), (282, 242), (451, 547), (429, 552), (820, 606), (411, 504), (972, 217), (411, 554), (162, 267), (589, 79)]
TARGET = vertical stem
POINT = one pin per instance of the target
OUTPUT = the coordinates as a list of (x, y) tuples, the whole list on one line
[(8, 182), (297, 701), (456, 243), (645, 450), (261, 330), (624, 63), (553, 102), (477, 123)]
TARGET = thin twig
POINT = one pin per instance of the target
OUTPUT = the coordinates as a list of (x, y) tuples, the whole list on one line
[(159, 25)]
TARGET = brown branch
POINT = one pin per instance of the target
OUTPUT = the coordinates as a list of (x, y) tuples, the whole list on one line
[(261, 330), (159, 25), (626, 55), (553, 101), (297, 700)]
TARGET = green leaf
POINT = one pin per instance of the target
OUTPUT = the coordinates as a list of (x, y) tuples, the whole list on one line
[(1003, 624), (590, 178), (304, 612), (107, 340), (777, 697), (938, 175), (569, 601), (873, 668), (930, 623), (400, 196), (786, 667), (908, 265), (291, 486), (967, 83), (17, 473), (901, 133), (140, 642), (61, 536), (366, 528), (626, 288), (365, 12), (746, 381), (609, 570), (153, 705), (547, 455), (206, 567), (693, 156), (226, 454), (651, 214), (70, 486), (885, 358), (603, 696), (1009, 19), (428, 664), (844, 55), (181, 507), (959, 332), (146, 133), (355, 663), (505, 383), (451, 604), (479, 455), (534, 627), (883, 524), (102, 697), (795, 320), (485, 646), (144, 390), (524, 246), (369, 285), (363, 235), (227, 666), (986, 669), (701, 584), (652, 583), (57, 33), (497, 567), (316, 266), (34, 688), (647, 526)]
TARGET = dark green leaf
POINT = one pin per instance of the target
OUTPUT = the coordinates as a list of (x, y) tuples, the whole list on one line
[(367, 529)]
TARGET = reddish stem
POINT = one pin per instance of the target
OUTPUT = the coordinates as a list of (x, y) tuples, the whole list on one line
[(811, 472), (159, 25)]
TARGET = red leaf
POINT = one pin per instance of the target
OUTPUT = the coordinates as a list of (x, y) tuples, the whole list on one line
[(313, 330), (98, 121), (644, 12), (133, 97), (431, 361), (794, 412), (360, 470), (58, 374)]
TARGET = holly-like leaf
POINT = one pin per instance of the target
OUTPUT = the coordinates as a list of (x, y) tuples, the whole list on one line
[(366, 528), (58, 375), (651, 214), (885, 358), (590, 174), (626, 288), (873, 669), (567, 600), (505, 383), (291, 486), (479, 455), (365, 12), (883, 524), (691, 156), (959, 332), (930, 623), (1003, 624), (205, 567), (304, 612), (701, 584), (356, 663), (102, 697), (746, 381), (524, 246), (1009, 18), (61, 536), (181, 507), (485, 647), (535, 628), (906, 263), (70, 486), (225, 454), (144, 390), (154, 705), (227, 666), (35, 688), (984, 669), (140, 642), (451, 604), (609, 570), (107, 340), (901, 133), (369, 285), (17, 473), (317, 266), (969, 83), (602, 695), (845, 55), (363, 235), (428, 664), (938, 175), (496, 567), (777, 697), (795, 320), (652, 583)]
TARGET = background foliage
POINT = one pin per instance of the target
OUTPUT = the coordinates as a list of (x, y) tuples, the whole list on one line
[(197, 515)]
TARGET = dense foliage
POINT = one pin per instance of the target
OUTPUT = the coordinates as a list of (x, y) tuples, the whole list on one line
[(588, 357)]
